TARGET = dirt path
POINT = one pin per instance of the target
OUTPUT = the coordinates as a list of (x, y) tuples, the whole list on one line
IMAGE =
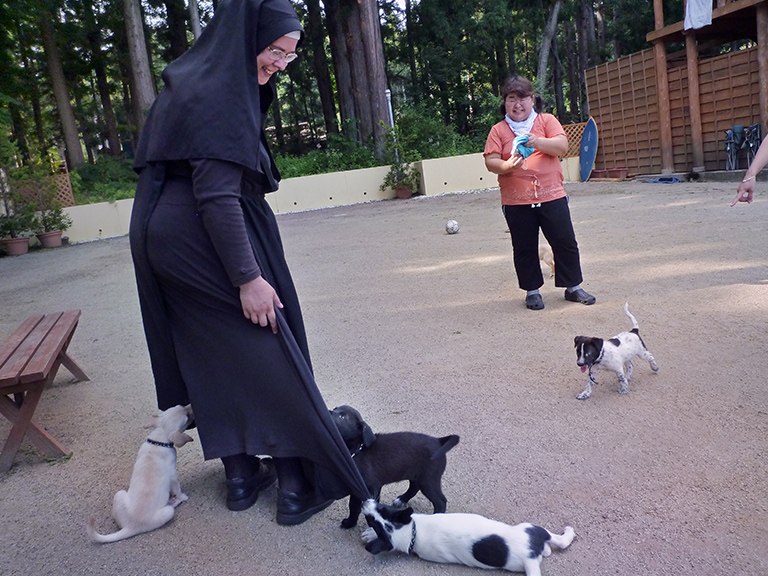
[(428, 332)]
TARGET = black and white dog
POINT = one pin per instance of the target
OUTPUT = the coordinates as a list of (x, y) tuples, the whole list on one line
[(467, 539), (614, 354), (387, 458)]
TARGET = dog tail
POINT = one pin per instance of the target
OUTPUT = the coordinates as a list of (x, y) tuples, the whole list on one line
[(446, 443), (564, 540), (121, 534), (635, 325)]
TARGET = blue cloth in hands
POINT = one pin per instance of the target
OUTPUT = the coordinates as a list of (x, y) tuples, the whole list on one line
[(517, 146)]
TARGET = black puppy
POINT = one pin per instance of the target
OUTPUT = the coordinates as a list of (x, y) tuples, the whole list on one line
[(386, 458)]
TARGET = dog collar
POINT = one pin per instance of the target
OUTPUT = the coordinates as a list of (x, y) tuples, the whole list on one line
[(163, 444), (413, 537)]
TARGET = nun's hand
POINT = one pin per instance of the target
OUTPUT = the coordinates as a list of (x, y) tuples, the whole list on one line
[(259, 300)]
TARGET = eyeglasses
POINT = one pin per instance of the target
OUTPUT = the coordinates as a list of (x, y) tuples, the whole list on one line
[(276, 54), (514, 100)]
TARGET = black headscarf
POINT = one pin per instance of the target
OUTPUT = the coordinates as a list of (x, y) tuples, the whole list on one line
[(212, 105)]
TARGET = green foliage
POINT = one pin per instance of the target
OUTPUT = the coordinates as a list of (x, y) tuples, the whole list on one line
[(339, 154), (424, 135), (32, 203), (18, 216), (402, 175), (8, 149), (111, 178)]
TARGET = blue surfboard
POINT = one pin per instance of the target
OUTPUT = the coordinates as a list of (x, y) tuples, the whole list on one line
[(588, 150)]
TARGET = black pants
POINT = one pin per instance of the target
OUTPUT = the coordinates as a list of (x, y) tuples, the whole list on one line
[(554, 220)]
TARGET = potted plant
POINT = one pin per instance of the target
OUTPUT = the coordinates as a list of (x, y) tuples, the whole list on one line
[(34, 185), (51, 220), (403, 178), (16, 223)]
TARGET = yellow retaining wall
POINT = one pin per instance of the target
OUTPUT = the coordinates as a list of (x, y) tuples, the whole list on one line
[(438, 176)]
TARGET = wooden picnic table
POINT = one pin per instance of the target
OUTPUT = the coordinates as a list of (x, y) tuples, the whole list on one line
[(29, 361)]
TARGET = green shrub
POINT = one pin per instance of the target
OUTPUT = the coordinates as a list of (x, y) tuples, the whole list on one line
[(111, 178), (423, 135), (339, 154)]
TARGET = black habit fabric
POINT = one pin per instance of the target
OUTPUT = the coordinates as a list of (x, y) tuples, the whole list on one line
[(252, 391)]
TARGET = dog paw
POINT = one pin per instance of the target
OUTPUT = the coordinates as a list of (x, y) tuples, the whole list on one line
[(583, 395), (368, 535), (654, 367), (177, 499), (624, 391), (348, 523)]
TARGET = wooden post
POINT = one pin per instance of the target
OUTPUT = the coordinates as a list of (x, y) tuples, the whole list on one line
[(694, 103), (762, 60), (662, 91), (665, 123)]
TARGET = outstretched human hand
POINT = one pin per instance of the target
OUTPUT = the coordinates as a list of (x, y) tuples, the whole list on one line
[(744, 192), (259, 300)]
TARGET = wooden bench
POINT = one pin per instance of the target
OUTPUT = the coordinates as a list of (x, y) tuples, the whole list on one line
[(29, 361)]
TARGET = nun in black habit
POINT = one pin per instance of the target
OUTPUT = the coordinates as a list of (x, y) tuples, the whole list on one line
[(221, 315)]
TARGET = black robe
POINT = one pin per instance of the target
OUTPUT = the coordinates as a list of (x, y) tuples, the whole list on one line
[(201, 227)]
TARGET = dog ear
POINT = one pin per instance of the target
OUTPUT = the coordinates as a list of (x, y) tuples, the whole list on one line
[(152, 422), (368, 436), (578, 340), (403, 516), (179, 438)]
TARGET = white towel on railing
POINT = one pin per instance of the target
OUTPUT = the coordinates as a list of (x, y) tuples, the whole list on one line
[(698, 13)]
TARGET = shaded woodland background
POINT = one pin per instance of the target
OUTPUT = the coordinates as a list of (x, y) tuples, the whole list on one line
[(79, 75)]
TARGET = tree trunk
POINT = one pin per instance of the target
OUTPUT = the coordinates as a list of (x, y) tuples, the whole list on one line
[(315, 36), (143, 84), (377, 78), (572, 66), (74, 149), (194, 18), (177, 27), (557, 81), (335, 15), (359, 70), (34, 91), (546, 44), (416, 89), (18, 132), (583, 59), (99, 68)]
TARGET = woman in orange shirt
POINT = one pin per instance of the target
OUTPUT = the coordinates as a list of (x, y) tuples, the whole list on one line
[(532, 194)]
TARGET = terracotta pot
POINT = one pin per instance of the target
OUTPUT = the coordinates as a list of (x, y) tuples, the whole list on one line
[(403, 192), (50, 239), (16, 246)]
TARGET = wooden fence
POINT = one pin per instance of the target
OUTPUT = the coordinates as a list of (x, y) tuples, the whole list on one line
[(623, 100)]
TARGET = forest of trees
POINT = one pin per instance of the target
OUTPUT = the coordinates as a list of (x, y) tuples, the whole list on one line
[(79, 75)]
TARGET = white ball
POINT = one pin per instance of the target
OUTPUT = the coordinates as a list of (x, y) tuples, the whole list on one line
[(451, 226)]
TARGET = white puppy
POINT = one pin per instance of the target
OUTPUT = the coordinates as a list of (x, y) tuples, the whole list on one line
[(614, 354), (546, 256), (154, 490), (467, 539)]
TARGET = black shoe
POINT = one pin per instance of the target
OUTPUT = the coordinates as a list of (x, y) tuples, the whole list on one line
[(293, 508), (534, 302), (242, 493), (579, 296)]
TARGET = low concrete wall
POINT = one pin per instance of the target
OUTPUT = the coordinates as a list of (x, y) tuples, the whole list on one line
[(438, 176)]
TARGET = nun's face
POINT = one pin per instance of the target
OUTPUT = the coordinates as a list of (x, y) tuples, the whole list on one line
[(276, 57)]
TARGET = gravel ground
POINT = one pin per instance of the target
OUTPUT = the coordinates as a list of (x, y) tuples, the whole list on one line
[(428, 332)]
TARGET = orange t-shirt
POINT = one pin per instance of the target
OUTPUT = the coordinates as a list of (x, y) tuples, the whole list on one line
[(541, 177)]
